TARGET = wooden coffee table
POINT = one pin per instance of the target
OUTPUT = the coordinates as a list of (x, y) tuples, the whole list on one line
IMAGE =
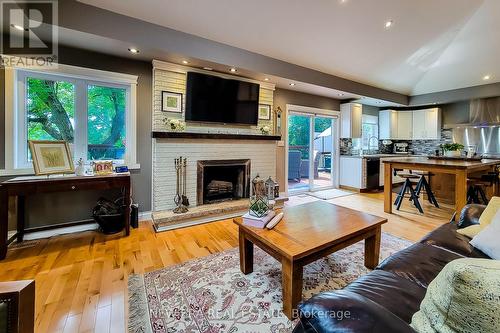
[(307, 233)]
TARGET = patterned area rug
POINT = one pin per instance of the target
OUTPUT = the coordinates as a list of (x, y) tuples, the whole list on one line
[(211, 295)]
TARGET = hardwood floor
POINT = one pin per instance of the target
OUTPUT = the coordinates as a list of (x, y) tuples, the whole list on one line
[(81, 279)]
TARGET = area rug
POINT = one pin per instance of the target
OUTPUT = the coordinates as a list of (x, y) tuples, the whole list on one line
[(330, 194), (211, 295)]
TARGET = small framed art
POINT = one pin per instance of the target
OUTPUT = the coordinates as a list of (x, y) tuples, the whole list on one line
[(264, 112), (171, 102), (51, 157)]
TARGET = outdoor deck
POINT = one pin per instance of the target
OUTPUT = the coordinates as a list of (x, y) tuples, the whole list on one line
[(324, 180)]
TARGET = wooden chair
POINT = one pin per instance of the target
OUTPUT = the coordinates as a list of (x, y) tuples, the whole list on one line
[(17, 306)]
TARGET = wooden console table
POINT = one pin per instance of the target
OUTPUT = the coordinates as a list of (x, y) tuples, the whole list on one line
[(23, 186)]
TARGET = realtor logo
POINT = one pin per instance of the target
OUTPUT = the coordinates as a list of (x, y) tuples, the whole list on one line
[(29, 30)]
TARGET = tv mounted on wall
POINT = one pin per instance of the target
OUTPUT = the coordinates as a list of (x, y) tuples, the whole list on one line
[(214, 99)]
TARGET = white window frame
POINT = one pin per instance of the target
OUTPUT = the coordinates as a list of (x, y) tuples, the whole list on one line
[(15, 114)]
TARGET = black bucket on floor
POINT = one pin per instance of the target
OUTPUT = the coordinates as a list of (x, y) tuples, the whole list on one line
[(109, 215)]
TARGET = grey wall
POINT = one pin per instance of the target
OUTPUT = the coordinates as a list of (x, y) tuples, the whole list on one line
[(371, 110), (456, 113), (60, 208), (452, 96), (282, 97)]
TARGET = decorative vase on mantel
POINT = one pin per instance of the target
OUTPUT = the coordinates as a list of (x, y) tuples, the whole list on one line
[(174, 125)]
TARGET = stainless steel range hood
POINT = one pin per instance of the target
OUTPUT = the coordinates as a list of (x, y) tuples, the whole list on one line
[(482, 133), (485, 111), (482, 112)]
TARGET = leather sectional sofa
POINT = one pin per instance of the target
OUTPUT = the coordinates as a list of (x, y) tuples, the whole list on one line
[(386, 299)]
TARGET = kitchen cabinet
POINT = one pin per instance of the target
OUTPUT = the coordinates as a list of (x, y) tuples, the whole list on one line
[(351, 114), (410, 125), (387, 124), (427, 124), (353, 172), (405, 125)]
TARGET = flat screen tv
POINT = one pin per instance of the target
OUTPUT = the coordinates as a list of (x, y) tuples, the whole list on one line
[(214, 99)]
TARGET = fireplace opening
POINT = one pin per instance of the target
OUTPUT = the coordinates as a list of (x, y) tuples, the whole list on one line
[(223, 180)]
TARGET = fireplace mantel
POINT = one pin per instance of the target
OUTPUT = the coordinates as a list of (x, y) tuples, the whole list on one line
[(216, 136)]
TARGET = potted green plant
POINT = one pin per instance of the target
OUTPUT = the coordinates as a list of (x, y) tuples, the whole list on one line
[(452, 149)]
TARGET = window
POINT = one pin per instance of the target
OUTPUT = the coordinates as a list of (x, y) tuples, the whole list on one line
[(92, 110), (106, 123), (369, 134)]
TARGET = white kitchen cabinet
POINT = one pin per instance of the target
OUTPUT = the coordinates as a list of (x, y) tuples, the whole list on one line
[(351, 114), (353, 172), (405, 125), (427, 124), (387, 124), (410, 125)]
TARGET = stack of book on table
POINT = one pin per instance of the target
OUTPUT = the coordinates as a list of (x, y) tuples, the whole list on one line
[(258, 222)]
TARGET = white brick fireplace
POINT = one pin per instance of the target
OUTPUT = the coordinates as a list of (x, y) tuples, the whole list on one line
[(261, 153)]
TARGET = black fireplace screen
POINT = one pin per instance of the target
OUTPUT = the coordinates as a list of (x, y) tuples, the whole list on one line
[(222, 180)]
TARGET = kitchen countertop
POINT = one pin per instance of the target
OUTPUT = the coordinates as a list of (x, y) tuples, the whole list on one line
[(416, 161), (377, 155)]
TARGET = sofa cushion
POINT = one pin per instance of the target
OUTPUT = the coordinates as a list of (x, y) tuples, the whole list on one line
[(485, 218), (470, 215), (487, 239), (419, 263), (400, 296), (344, 311), (446, 237), (464, 297)]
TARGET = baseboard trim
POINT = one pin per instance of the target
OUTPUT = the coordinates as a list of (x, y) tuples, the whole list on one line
[(145, 216), (31, 235), (202, 220)]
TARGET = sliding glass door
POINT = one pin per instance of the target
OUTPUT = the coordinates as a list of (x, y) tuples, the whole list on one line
[(311, 152), (323, 153), (299, 147)]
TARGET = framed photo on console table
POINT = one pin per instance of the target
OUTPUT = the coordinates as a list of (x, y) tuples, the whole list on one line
[(171, 102), (51, 157)]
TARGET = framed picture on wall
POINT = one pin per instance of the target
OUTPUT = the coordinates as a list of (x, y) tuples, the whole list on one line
[(264, 111), (171, 101), (51, 157)]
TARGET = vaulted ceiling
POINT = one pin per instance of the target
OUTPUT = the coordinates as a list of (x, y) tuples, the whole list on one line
[(432, 45)]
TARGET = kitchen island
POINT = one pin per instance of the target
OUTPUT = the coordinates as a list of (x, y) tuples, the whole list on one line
[(459, 168)]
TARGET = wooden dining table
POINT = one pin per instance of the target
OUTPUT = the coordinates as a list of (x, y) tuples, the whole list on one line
[(461, 169)]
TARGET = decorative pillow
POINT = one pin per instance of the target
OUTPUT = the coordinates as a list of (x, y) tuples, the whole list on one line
[(464, 297), (487, 239), (485, 219)]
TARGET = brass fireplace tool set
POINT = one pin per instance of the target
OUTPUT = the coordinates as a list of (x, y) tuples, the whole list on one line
[(180, 199)]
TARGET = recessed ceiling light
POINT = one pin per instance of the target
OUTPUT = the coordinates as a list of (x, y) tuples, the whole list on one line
[(185, 62), (389, 24), (341, 94), (207, 68), (132, 50), (266, 79), (18, 27), (292, 84), (232, 70), (486, 77)]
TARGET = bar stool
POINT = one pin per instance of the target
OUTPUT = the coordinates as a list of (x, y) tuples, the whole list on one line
[(408, 188), (475, 191), (423, 183)]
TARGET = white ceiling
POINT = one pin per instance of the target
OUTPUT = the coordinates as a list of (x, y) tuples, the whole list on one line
[(434, 45)]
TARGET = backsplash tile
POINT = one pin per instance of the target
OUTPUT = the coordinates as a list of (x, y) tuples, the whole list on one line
[(416, 147)]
